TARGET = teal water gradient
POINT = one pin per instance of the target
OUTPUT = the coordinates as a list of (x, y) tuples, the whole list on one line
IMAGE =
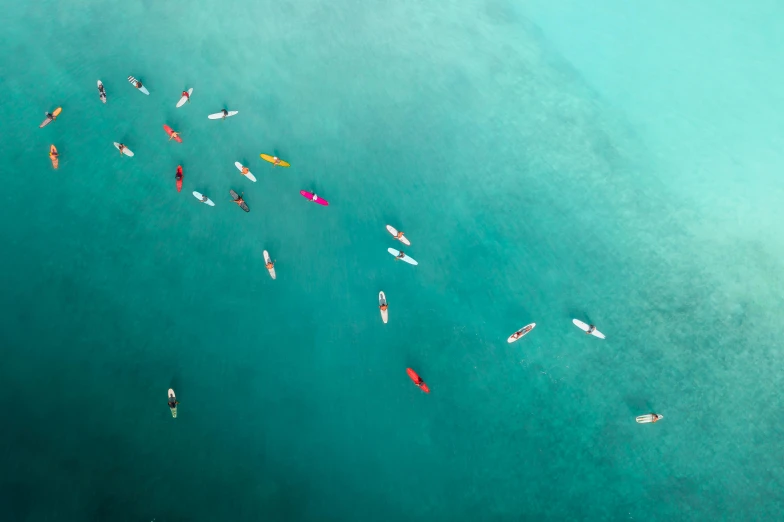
[(612, 162)]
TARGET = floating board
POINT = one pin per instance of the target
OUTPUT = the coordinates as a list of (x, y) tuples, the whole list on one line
[(170, 397), (404, 258), (249, 175), (417, 380), (178, 178), (271, 159), (314, 198), (204, 199), (49, 120), (53, 156), (270, 270), (219, 115), (403, 239), (101, 92), (133, 81), (382, 300), (645, 419), (185, 98), (125, 151), (170, 131), (522, 332), (236, 197), (584, 327)]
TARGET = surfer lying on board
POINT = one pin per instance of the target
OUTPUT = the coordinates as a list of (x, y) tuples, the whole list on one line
[(270, 265), (138, 84), (591, 329), (522, 332), (174, 135), (239, 201), (54, 155), (656, 417)]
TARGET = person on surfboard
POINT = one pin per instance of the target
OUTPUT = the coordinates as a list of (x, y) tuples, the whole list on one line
[(270, 265), (401, 255), (399, 235), (186, 95), (591, 329), (383, 307), (225, 113), (245, 170), (54, 155), (656, 417), (50, 116), (174, 135), (173, 402), (204, 198), (275, 160), (121, 148), (138, 84), (239, 201), (520, 333)]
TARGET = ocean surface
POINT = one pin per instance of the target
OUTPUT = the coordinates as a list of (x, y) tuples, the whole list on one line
[(616, 162)]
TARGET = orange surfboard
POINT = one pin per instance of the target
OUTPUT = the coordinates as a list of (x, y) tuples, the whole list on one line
[(54, 156)]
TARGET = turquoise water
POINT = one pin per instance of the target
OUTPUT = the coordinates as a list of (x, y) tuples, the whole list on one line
[(619, 163)]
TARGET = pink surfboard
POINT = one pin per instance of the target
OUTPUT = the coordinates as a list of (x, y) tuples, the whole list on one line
[(313, 197)]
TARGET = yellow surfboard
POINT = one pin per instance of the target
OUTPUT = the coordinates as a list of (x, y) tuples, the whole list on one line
[(271, 159), (57, 112)]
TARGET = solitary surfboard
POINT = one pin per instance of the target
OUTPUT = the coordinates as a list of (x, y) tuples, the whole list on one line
[(267, 260), (248, 174), (275, 163), (125, 150), (522, 332), (405, 258), (382, 300), (220, 115), (584, 327), (185, 98), (204, 199)]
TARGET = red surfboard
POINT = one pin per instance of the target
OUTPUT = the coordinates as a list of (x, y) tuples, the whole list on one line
[(417, 380), (169, 131), (178, 177), (314, 198)]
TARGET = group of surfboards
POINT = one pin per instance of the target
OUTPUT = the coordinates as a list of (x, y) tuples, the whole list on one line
[(269, 264)]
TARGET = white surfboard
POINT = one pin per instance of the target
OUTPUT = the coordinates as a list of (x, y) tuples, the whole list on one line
[(249, 175), (101, 91), (522, 332), (267, 260), (220, 116), (172, 396), (405, 258), (184, 98), (651, 417), (584, 327), (204, 199), (394, 232), (382, 300), (125, 150)]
